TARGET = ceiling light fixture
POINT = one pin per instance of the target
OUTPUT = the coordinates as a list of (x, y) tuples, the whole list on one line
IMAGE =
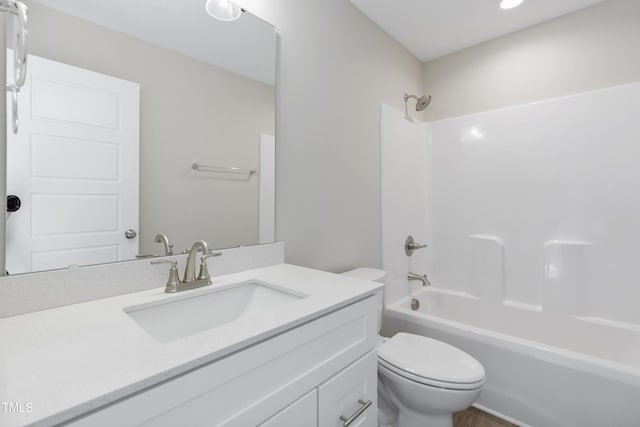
[(510, 4), (223, 10)]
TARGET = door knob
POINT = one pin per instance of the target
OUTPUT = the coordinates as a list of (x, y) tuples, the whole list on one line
[(130, 234), (13, 203)]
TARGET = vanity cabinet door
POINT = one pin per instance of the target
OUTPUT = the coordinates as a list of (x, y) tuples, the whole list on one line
[(349, 393), (302, 412)]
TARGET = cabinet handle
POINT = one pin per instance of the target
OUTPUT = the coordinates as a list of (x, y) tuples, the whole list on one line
[(346, 422)]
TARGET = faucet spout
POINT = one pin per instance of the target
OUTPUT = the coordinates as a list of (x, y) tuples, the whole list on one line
[(420, 277), (168, 247), (190, 270)]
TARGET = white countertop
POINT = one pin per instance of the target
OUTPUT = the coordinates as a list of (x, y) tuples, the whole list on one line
[(69, 360)]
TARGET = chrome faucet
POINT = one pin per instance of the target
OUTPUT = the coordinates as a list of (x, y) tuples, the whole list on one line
[(168, 247), (420, 277)]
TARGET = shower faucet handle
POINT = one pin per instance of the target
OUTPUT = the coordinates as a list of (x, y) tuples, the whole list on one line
[(411, 245)]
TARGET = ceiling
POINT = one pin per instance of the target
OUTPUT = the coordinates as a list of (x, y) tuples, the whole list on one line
[(433, 28), (245, 46)]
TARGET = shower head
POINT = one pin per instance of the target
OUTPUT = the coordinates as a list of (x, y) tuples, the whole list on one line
[(421, 103)]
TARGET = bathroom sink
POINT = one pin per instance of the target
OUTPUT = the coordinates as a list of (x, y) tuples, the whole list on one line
[(187, 315)]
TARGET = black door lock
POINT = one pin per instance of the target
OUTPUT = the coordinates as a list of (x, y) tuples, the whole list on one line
[(13, 203)]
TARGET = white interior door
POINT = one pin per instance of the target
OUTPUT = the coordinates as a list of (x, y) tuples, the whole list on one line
[(75, 166)]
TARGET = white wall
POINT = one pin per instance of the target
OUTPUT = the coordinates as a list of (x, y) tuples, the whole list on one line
[(594, 48), (335, 67)]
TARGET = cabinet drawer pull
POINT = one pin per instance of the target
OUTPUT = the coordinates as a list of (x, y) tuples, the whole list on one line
[(346, 422)]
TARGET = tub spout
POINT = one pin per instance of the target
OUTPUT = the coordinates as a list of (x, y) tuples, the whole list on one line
[(420, 277)]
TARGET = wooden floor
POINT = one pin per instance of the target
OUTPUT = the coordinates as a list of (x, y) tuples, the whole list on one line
[(473, 417)]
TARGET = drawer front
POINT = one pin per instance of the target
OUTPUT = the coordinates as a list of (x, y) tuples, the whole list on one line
[(301, 413), (244, 388), (348, 394)]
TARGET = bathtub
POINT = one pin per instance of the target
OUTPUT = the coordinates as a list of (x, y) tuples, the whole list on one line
[(543, 370)]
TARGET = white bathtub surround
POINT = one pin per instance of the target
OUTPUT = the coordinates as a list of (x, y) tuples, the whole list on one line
[(40, 291), (532, 205), (556, 182), (73, 359), (487, 267), (566, 270), (531, 220)]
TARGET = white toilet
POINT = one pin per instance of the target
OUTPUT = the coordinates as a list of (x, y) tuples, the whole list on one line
[(427, 380)]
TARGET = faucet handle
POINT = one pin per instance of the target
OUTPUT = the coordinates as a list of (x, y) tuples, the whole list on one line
[(139, 256), (204, 270), (211, 254), (174, 279), (411, 245)]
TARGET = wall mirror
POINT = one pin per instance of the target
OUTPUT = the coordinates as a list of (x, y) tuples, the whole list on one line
[(121, 99)]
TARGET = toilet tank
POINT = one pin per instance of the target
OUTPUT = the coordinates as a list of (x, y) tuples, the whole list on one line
[(373, 275)]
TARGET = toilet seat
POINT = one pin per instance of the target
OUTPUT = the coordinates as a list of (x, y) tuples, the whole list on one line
[(431, 362)]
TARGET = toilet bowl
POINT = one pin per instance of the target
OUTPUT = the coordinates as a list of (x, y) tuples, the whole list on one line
[(426, 379)]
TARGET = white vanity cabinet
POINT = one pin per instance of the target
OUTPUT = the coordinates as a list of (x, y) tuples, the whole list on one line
[(351, 394), (307, 376), (302, 412)]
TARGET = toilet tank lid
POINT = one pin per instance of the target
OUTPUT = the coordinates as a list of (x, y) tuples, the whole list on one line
[(364, 273)]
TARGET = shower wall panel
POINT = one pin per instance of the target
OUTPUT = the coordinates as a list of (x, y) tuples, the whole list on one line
[(405, 173), (537, 205)]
